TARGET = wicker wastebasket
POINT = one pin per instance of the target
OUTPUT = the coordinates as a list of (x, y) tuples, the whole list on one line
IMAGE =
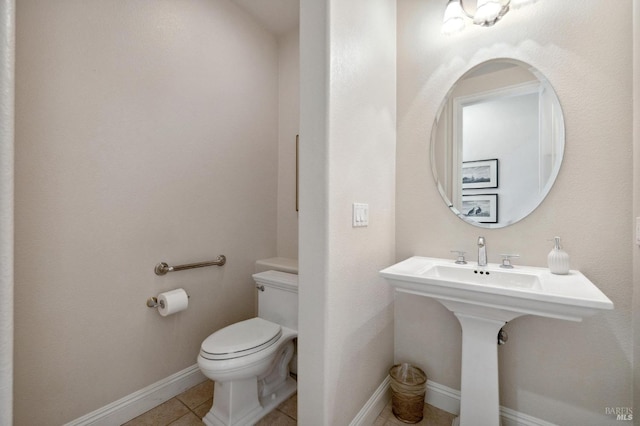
[(408, 387)]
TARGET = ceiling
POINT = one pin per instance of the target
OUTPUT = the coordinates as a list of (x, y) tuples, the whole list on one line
[(277, 16)]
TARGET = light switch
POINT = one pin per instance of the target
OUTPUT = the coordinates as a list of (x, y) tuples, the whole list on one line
[(360, 215)]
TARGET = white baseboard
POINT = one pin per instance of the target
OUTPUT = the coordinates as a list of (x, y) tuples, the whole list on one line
[(514, 418), (131, 406), (439, 396), (372, 408), (443, 397)]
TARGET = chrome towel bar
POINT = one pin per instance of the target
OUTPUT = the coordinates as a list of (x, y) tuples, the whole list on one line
[(162, 268)]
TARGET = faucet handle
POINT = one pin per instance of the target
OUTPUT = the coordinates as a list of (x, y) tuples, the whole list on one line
[(460, 260), (506, 260)]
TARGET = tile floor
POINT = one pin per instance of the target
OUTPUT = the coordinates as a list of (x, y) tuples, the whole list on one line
[(188, 408)]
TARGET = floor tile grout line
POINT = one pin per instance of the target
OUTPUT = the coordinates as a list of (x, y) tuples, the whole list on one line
[(191, 410), (187, 413), (178, 399), (287, 415)]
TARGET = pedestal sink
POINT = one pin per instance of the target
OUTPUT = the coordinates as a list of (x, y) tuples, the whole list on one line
[(484, 299)]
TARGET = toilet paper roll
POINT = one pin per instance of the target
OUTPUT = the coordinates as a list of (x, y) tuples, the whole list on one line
[(172, 301)]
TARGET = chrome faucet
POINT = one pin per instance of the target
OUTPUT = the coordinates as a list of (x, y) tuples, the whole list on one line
[(482, 252)]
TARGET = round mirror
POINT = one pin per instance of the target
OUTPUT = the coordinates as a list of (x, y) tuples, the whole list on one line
[(497, 143)]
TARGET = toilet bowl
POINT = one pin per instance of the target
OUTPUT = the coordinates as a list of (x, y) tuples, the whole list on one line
[(249, 360)]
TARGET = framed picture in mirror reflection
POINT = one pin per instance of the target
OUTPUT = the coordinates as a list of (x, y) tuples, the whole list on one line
[(481, 208), (480, 174)]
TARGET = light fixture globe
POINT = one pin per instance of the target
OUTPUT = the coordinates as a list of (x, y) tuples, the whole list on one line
[(482, 12), (453, 20), (488, 11)]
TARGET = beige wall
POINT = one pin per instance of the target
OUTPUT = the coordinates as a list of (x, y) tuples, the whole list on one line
[(348, 155), (288, 128), (147, 131), (562, 372), (7, 131), (636, 200)]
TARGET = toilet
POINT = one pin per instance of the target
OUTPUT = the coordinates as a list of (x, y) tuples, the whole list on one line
[(249, 360)]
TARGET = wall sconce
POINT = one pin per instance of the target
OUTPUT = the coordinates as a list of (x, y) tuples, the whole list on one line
[(482, 12)]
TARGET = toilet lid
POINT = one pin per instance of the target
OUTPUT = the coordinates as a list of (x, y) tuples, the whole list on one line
[(241, 339)]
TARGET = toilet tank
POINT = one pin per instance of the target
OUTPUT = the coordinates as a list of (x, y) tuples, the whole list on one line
[(278, 297), (283, 264)]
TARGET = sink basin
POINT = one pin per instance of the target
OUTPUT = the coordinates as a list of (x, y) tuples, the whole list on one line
[(485, 277), (484, 299), (523, 290)]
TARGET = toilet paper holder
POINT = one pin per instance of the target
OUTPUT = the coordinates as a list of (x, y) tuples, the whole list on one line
[(152, 302)]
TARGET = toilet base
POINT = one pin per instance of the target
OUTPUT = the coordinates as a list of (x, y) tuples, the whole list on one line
[(255, 409)]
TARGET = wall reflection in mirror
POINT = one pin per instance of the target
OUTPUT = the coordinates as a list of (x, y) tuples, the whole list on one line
[(497, 143)]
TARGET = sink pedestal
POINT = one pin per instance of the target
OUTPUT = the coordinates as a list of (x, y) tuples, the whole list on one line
[(479, 389), (479, 401)]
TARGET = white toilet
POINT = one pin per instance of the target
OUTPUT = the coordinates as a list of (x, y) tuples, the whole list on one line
[(249, 360)]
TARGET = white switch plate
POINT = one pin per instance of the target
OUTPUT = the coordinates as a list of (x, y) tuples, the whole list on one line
[(638, 231), (360, 215)]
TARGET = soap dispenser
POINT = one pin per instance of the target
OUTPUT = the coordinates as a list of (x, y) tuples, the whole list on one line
[(558, 259)]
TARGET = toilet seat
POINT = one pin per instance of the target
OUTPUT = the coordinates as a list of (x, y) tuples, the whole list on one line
[(240, 339)]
